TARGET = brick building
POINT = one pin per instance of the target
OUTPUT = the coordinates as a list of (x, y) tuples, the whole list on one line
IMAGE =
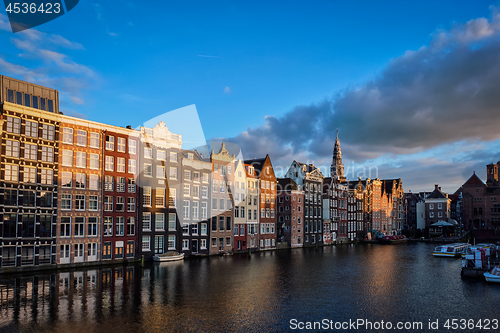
[(29, 125), (268, 192), (290, 208)]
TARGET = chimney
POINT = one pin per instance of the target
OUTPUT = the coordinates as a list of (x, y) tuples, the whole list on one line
[(439, 188), (436, 187), (129, 127)]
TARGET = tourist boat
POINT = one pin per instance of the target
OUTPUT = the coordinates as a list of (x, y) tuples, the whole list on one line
[(169, 256), (393, 239), (450, 250), (493, 276), (472, 248)]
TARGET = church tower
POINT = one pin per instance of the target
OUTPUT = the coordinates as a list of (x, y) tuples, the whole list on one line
[(337, 168)]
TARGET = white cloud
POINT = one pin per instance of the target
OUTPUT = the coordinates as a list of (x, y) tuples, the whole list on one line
[(77, 100), (227, 90)]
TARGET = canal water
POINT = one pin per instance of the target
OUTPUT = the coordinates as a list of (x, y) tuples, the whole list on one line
[(264, 292)]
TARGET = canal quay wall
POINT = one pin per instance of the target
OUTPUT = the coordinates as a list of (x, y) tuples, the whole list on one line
[(474, 273)]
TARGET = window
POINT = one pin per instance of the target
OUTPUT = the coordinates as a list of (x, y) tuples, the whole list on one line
[(120, 164), (120, 226), (81, 138), (94, 161), (65, 226), (196, 210), (185, 207), (19, 98), (79, 226), (65, 201), (94, 140), (110, 163), (68, 135), (29, 198), (148, 152), (171, 242), (93, 203), (12, 149), (48, 132), (120, 184), (11, 172), (215, 185), (132, 147), (108, 203), (131, 226), (146, 221), (187, 175), (221, 222), (159, 221), (79, 202), (80, 180), (131, 204), (132, 166), (92, 227), (214, 203), (431, 214), (108, 226), (161, 155), (13, 125), (31, 129), (122, 142), (171, 222), (196, 177), (27, 100), (47, 177), (120, 204), (160, 171), (203, 244), (185, 244), (131, 185), (147, 196), (222, 204), (108, 183), (50, 105), (67, 158), (204, 192), (94, 182), (30, 152), (204, 178), (186, 190), (148, 170), (173, 157), (173, 197), (66, 179), (146, 243), (81, 159), (204, 210), (173, 173), (29, 175), (160, 197), (42, 103), (196, 191), (48, 155), (110, 142)]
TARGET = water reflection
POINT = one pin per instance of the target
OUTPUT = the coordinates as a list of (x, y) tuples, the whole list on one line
[(245, 293)]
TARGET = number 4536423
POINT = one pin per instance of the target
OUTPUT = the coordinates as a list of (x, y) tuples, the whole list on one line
[(25, 8)]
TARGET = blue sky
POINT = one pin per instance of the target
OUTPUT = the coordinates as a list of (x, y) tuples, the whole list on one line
[(240, 62)]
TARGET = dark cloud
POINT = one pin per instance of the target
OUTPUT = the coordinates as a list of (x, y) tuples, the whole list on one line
[(442, 93)]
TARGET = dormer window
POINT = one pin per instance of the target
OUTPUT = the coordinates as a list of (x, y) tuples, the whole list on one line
[(190, 156)]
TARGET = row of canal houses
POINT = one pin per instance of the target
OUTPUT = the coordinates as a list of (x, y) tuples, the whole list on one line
[(74, 191)]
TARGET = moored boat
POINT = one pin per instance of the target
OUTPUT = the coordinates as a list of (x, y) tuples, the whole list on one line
[(493, 276), (393, 239), (450, 250), (169, 256)]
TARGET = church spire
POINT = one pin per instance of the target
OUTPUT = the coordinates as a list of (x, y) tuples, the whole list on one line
[(337, 168)]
